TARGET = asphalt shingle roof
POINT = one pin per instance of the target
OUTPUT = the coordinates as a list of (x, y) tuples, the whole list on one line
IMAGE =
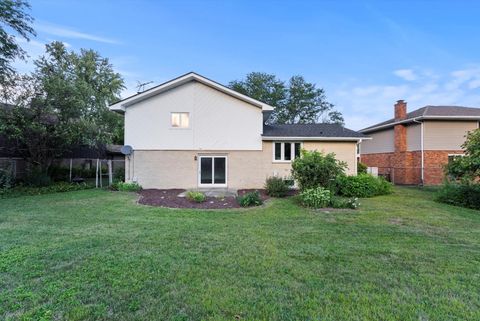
[(432, 111), (309, 130)]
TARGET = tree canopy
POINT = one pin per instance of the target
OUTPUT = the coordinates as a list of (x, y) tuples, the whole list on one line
[(63, 103), (467, 168), (297, 101), (14, 18)]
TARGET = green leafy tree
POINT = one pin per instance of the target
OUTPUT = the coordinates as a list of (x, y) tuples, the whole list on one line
[(63, 103), (13, 17), (467, 168), (298, 102), (263, 87)]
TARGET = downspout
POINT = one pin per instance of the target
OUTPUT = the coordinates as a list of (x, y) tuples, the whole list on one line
[(421, 145)]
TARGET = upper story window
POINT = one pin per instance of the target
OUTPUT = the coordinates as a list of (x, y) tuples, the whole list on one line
[(286, 151), (180, 120)]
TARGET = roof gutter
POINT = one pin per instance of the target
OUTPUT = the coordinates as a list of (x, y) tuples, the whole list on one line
[(411, 120), (284, 138)]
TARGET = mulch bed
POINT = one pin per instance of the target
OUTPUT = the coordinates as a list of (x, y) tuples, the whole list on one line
[(169, 198)]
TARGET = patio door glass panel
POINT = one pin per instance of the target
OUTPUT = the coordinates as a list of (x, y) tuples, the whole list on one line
[(206, 170), (219, 170)]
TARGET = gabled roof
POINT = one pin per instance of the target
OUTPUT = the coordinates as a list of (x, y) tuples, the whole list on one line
[(191, 76), (310, 131), (429, 112)]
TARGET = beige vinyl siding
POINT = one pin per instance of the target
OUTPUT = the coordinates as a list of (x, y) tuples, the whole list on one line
[(414, 137), (381, 142), (446, 135), (245, 169)]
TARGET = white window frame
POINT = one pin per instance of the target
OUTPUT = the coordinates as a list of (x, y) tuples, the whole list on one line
[(213, 171), (455, 155), (180, 113), (282, 151)]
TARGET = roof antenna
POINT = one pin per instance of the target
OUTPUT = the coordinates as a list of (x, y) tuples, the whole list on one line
[(141, 86)]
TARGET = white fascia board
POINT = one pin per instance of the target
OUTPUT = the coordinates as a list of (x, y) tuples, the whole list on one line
[(121, 105), (348, 139), (412, 120)]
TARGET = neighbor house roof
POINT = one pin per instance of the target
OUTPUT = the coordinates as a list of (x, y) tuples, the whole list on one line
[(191, 76), (429, 112), (310, 132)]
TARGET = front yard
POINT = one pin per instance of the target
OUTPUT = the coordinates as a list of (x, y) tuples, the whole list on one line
[(97, 255)]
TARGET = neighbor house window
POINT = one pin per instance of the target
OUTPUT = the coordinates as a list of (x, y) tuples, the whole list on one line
[(286, 151), (451, 157), (180, 120)]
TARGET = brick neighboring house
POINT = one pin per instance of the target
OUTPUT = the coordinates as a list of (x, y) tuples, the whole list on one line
[(414, 147)]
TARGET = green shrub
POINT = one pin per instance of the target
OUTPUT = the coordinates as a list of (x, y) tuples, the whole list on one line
[(316, 197), (460, 194), (22, 190), (361, 168), (194, 196), (315, 169), (363, 185), (119, 174), (37, 178), (6, 178), (128, 187), (250, 199), (341, 202), (276, 187)]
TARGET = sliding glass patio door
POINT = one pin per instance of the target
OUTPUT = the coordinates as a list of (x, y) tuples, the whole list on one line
[(212, 171)]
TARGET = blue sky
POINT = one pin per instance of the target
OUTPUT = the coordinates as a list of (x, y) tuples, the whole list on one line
[(365, 54)]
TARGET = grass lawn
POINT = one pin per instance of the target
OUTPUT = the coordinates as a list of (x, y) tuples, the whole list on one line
[(96, 255)]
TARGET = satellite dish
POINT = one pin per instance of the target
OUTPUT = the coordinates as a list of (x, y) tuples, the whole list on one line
[(126, 150)]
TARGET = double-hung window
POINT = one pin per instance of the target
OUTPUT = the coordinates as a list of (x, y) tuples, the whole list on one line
[(286, 151), (180, 120)]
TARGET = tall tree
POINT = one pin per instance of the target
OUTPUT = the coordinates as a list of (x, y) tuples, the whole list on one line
[(296, 102), (63, 103), (13, 17), (262, 86)]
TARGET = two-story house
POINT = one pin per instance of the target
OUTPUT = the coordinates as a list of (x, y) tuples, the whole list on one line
[(192, 132), (414, 147)]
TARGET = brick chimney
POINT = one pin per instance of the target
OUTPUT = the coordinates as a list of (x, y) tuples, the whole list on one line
[(400, 129), (400, 110), (399, 160)]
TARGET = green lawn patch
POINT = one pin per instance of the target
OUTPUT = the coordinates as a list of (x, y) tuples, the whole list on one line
[(97, 255)]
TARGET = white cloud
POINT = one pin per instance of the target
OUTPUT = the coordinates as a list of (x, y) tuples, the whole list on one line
[(406, 74), (62, 31), (363, 106)]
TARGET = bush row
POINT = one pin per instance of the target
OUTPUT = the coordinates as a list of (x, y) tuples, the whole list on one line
[(22, 190), (460, 194)]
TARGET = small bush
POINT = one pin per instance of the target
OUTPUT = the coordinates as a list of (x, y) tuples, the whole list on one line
[(315, 169), (340, 202), (250, 199), (361, 168), (128, 187), (6, 178), (194, 196), (37, 178), (465, 195), (119, 174), (22, 190), (276, 187), (363, 185), (317, 197)]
